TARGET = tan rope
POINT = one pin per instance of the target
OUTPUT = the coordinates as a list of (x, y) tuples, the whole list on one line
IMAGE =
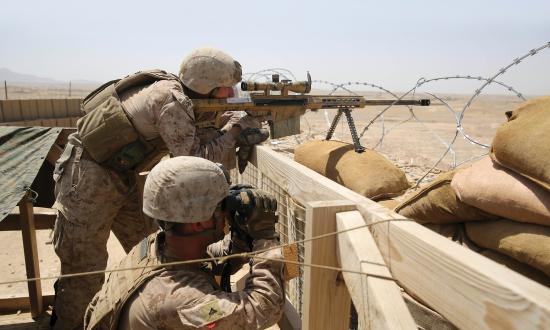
[(253, 254)]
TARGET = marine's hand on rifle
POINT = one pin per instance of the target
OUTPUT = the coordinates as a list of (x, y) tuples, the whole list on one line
[(252, 212), (242, 122), (245, 141)]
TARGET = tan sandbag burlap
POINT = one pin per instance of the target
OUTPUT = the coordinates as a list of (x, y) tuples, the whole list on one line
[(389, 203), (524, 242), (368, 173), (497, 190), (523, 143), (438, 203)]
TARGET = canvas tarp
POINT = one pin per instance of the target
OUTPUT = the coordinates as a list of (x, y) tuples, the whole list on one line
[(22, 152)]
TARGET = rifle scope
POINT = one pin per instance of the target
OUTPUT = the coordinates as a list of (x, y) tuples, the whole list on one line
[(296, 87)]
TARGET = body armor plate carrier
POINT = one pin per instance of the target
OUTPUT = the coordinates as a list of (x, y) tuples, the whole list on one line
[(106, 132)]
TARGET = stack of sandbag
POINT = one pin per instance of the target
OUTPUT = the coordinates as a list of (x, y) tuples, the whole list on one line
[(367, 173), (438, 203), (503, 199)]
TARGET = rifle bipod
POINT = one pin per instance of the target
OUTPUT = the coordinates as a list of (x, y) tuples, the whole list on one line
[(356, 144)]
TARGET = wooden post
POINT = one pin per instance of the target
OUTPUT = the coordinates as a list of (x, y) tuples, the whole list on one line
[(326, 299), (377, 298), (6, 89), (31, 254), (70, 88)]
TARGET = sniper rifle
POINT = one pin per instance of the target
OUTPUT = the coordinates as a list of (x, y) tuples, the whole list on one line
[(283, 110)]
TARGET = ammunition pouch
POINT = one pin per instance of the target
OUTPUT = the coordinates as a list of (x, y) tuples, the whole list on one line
[(129, 156)]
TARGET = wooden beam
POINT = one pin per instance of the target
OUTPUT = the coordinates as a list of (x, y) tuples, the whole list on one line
[(54, 154), (468, 289), (44, 218), (14, 304), (63, 137), (326, 299), (378, 300), (31, 255)]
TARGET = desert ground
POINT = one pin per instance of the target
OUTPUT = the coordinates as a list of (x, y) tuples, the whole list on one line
[(414, 143)]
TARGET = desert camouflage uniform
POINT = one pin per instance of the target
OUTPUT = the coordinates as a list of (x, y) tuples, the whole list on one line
[(92, 199), (185, 297)]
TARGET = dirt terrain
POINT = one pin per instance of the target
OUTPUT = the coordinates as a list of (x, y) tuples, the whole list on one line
[(414, 144)]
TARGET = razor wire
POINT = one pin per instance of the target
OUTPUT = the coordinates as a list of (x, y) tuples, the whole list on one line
[(458, 116)]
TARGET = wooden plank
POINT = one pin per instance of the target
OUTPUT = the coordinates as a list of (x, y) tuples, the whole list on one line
[(74, 107), (32, 265), (54, 154), (326, 299), (378, 300), (60, 108), (44, 218), (13, 304), (63, 137), (469, 290), (45, 108)]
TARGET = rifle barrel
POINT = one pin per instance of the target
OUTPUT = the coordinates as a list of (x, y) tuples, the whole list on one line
[(421, 102)]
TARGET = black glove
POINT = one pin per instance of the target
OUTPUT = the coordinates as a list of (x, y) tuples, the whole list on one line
[(252, 213), (251, 136), (248, 138)]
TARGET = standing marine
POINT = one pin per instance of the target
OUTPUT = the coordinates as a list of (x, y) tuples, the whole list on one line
[(129, 125)]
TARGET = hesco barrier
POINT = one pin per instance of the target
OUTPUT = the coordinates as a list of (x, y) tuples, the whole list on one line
[(40, 112)]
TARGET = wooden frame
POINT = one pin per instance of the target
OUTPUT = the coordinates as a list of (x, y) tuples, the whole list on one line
[(326, 299), (376, 297), (468, 289), (28, 232)]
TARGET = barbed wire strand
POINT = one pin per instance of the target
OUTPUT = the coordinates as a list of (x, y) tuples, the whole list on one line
[(253, 254), (422, 82)]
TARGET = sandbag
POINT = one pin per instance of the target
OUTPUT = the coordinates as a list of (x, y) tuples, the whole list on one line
[(523, 143), (389, 203), (368, 173), (497, 190), (525, 242), (438, 203), (525, 270)]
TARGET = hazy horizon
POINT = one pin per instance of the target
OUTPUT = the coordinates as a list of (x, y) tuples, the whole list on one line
[(389, 44)]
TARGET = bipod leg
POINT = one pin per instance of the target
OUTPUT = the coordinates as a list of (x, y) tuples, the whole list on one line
[(358, 147), (333, 125)]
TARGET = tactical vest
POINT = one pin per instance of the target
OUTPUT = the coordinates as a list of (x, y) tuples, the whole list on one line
[(106, 132), (107, 305)]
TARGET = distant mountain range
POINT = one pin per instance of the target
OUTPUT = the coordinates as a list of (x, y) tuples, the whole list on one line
[(28, 79)]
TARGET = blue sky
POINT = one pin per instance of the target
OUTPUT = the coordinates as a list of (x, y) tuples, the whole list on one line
[(384, 42)]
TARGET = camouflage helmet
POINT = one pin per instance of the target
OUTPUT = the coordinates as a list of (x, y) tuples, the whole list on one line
[(184, 189), (207, 68)]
